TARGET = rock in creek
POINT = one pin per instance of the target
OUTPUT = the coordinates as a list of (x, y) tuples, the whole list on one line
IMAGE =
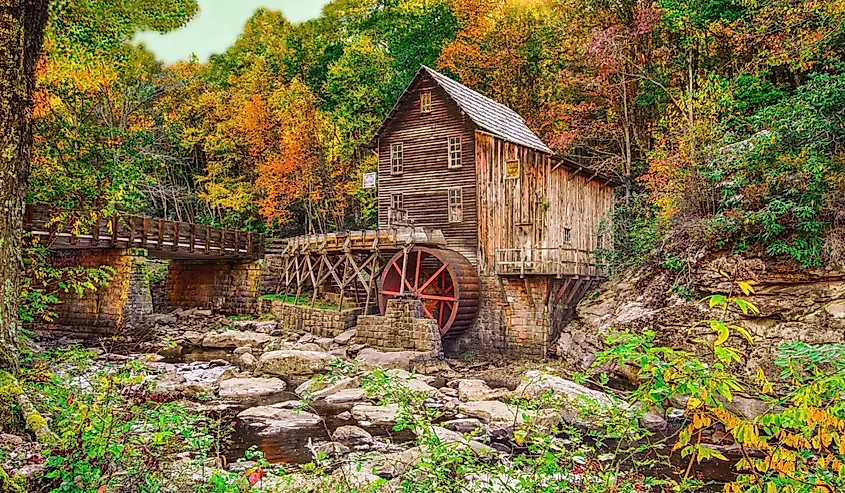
[(376, 415), (345, 337), (250, 388), (289, 362), (478, 390), (347, 396), (402, 360), (352, 435), (273, 420), (321, 391), (235, 339)]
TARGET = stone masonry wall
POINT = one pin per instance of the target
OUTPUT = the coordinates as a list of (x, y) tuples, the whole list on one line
[(514, 323), (320, 322), (228, 287), (402, 328), (111, 310)]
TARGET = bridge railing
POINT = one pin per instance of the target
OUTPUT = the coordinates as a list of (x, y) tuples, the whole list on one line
[(129, 231)]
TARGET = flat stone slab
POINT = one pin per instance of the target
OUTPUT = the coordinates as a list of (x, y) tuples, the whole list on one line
[(235, 339), (250, 388), (376, 415), (273, 420), (290, 362)]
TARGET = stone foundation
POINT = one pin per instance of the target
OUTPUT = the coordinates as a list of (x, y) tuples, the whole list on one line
[(228, 287), (515, 319), (323, 323), (402, 328), (115, 309)]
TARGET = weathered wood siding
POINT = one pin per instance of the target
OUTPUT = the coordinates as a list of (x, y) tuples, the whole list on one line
[(427, 176), (531, 212)]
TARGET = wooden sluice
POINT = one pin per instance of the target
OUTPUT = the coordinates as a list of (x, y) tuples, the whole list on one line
[(350, 262)]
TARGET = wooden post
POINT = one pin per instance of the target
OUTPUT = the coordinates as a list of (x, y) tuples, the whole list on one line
[(175, 235), (146, 225), (370, 284), (95, 234), (131, 231), (193, 236), (114, 224), (237, 242), (207, 239), (160, 234)]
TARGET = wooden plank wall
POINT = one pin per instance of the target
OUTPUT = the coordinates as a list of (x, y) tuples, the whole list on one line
[(427, 177), (532, 211)]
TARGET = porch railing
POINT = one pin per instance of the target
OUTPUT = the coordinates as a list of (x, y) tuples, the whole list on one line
[(561, 261)]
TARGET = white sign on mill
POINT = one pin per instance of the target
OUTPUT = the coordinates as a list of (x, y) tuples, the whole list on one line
[(369, 181)]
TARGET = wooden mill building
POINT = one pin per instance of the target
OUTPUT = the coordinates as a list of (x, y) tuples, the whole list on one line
[(477, 218), (455, 160)]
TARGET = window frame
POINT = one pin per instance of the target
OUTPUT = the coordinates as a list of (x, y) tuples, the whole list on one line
[(567, 236), (397, 159), (459, 205), (518, 175), (457, 152), (397, 197), (425, 102)]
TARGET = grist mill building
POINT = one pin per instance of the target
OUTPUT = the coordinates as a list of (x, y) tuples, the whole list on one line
[(524, 222)]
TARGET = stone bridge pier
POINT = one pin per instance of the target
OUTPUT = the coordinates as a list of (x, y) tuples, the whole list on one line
[(225, 286), (228, 286), (111, 310)]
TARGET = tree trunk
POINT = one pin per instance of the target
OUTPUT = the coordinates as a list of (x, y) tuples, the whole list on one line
[(21, 30)]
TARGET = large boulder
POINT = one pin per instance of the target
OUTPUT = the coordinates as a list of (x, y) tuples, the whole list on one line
[(271, 420), (536, 384), (376, 415), (250, 388), (478, 390), (235, 339), (489, 411), (289, 362)]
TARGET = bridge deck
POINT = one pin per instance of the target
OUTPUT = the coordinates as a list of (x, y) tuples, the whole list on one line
[(162, 238)]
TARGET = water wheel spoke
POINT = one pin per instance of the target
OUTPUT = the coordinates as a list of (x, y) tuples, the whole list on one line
[(427, 312), (432, 278), (436, 297), (399, 270), (417, 272), (389, 293)]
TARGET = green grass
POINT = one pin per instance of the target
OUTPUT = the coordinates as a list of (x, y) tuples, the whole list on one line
[(304, 300)]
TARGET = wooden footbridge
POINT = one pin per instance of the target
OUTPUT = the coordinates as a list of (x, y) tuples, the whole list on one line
[(66, 230)]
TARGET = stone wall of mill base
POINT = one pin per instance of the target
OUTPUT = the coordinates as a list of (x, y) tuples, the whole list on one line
[(115, 309), (402, 328), (320, 322), (517, 318)]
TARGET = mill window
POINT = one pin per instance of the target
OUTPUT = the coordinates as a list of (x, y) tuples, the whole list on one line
[(425, 102), (512, 169), (456, 205), (397, 165), (567, 235), (397, 202), (454, 152)]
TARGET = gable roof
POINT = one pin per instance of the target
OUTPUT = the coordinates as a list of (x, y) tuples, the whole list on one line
[(487, 114)]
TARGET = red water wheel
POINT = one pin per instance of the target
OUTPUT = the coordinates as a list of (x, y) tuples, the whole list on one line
[(444, 280)]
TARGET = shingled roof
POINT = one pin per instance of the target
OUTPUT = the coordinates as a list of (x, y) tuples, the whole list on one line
[(487, 114)]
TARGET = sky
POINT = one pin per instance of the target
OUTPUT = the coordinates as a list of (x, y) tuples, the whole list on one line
[(218, 25)]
